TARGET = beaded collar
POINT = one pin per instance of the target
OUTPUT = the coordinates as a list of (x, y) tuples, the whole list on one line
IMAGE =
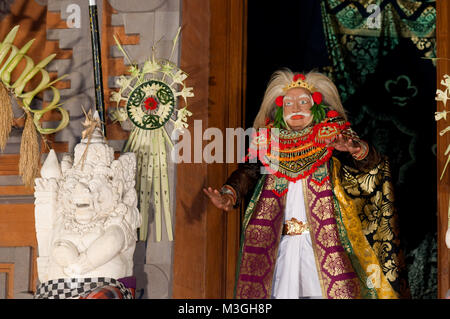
[(294, 155)]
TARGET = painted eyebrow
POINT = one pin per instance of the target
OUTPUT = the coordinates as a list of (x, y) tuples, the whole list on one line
[(299, 96)]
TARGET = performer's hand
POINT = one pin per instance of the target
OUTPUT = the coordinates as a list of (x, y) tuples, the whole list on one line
[(221, 201), (345, 144)]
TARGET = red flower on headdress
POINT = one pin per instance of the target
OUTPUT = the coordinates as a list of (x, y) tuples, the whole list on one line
[(279, 100), (317, 97), (298, 76), (332, 113), (150, 103)]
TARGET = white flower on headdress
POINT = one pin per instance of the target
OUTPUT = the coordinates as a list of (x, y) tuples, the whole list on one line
[(442, 96), (179, 77), (150, 66), (440, 115)]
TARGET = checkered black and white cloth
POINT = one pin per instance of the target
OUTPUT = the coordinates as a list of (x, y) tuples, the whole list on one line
[(73, 288)]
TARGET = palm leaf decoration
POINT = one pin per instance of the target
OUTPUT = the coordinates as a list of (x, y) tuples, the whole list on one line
[(150, 94), (10, 57)]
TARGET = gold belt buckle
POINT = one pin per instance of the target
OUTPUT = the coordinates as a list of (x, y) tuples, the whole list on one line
[(294, 227)]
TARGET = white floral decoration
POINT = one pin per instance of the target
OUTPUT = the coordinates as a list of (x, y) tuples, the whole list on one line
[(165, 82)]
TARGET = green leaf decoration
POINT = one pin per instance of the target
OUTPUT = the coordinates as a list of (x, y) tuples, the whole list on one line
[(279, 120), (318, 112)]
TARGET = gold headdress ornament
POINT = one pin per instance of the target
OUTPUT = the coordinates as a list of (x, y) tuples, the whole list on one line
[(299, 81)]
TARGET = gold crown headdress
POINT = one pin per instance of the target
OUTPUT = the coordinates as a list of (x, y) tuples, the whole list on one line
[(299, 81)]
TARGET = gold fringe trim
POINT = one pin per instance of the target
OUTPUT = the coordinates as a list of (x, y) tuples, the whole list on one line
[(6, 116), (29, 152)]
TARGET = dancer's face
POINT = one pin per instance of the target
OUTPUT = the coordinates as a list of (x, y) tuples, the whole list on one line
[(296, 108)]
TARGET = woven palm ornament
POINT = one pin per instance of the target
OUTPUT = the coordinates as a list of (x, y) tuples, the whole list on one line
[(148, 97)]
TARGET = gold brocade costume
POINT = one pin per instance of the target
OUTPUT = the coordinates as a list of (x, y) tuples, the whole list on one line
[(366, 255), (347, 203)]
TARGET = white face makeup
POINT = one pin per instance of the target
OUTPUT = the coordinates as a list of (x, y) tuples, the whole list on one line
[(296, 108), (301, 99)]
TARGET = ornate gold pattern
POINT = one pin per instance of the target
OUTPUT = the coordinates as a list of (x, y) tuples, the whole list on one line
[(336, 274), (258, 257), (371, 195), (299, 83), (367, 257), (294, 227)]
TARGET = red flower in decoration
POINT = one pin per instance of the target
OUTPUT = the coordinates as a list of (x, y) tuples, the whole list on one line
[(279, 101), (298, 76), (332, 113), (317, 97), (150, 103)]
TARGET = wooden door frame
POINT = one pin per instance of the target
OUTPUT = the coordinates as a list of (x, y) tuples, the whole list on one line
[(213, 53), (443, 187)]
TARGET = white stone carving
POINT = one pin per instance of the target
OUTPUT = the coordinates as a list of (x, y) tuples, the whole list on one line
[(86, 213)]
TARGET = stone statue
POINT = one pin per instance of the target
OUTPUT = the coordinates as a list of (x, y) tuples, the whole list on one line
[(86, 213)]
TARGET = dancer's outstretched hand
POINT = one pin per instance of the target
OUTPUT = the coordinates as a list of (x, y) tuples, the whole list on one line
[(345, 144), (221, 201)]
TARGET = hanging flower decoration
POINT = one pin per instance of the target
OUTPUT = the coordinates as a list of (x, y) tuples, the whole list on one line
[(151, 94), (317, 97), (443, 96)]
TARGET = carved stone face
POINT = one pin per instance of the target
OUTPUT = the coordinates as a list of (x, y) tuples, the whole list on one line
[(89, 198), (83, 201)]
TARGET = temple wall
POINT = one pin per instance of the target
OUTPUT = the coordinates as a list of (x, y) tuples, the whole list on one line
[(140, 23)]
